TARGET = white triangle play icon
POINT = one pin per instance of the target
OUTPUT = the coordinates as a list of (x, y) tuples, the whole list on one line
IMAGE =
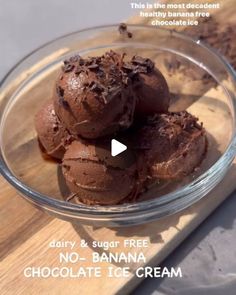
[(117, 147)]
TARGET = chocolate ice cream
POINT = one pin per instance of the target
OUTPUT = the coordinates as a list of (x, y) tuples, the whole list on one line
[(98, 178), (172, 144), (152, 90), (94, 97), (51, 133)]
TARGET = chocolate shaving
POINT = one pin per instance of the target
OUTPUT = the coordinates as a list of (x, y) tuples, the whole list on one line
[(128, 67), (137, 65), (78, 70), (112, 81), (185, 120), (112, 74), (129, 34), (124, 31), (69, 64), (122, 28), (60, 91), (62, 101), (126, 80), (68, 68), (141, 69), (92, 60), (143, 63), (86, 84), (93, 67), (96, 88), (72, 59), (100, 73), (81, 62)]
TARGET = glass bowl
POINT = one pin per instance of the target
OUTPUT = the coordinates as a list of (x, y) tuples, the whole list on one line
[(199, 79)]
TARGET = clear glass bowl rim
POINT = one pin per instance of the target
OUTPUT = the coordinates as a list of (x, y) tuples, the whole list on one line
[(139, 207)]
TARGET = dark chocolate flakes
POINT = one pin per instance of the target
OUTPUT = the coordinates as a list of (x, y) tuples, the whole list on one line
[(129, 34), (93, 66), (62, 101), (141, 63), (96, 88), (72, 59), (81, 62), (124, 31), (137, 65), (68, 68), (60, 91), (112, 73)]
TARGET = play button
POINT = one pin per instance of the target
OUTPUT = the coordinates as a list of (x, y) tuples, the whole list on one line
[(117, 147)]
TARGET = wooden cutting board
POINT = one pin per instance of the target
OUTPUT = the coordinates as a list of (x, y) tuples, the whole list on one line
[(26, 232)]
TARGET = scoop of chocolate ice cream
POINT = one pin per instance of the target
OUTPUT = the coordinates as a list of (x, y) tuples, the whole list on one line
[(172, 144), (52, 134), (93, 96), (152, 90), (98, 178)]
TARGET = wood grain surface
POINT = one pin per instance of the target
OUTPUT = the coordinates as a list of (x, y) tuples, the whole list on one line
[(25, 232)]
